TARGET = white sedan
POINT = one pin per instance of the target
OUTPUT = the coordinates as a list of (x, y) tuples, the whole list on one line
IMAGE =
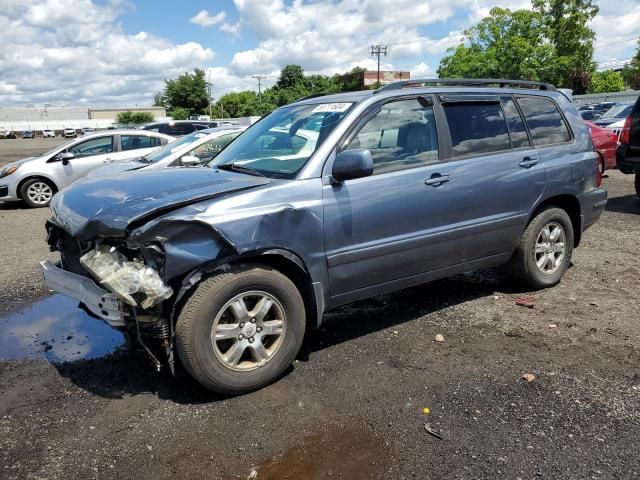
[(193, 150), (34, 180)]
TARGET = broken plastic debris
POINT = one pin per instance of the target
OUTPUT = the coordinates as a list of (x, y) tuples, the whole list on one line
[(426, 411), (439, 338), (126, 278), (529, 377)]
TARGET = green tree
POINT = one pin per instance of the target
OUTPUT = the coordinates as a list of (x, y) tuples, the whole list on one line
[(607, 81), (158, 100), (136, 118), (290, 76), (551, 43), (506, 44), (631, 72), (566, 24), (179, 113), (188, 91)]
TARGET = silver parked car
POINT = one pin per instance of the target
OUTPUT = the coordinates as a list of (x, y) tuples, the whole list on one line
[(193, 150), (35, 179)]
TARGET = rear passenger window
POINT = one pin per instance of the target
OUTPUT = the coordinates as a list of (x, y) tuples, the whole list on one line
[(133, 142), (401, 135), (517, 129), (545, 123), (476, 128)]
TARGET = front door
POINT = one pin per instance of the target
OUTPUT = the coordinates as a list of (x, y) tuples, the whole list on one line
[(386, 226), (88, 154)]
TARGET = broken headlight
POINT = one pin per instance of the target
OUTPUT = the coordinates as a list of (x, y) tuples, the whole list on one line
[(133, 281)]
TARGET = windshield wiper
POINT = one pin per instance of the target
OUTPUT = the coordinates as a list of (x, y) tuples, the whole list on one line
[(239, 168), (143, 160)]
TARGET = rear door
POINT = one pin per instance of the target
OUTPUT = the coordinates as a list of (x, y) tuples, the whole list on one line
[(88, 154), (496, 175)]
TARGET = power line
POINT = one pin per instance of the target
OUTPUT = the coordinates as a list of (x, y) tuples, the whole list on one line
[(379, 50), (616, 43)]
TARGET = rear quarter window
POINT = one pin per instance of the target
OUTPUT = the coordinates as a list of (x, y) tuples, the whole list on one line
[(546, 125)]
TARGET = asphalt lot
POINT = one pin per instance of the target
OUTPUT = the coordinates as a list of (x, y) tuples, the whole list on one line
[(352, 404), (15, 149)]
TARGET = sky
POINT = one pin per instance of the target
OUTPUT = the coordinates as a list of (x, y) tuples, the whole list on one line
[(119, 52)]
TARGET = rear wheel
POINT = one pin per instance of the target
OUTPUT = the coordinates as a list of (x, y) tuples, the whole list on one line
[(544, 252), (240, 330), (37, 192)]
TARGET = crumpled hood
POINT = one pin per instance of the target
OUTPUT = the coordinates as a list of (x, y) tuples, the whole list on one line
[(104, 207)]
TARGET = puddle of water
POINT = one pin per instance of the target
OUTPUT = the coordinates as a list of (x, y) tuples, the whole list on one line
[(57, 329), (351, 453)]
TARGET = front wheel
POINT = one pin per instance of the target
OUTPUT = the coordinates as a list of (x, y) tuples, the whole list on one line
[(637, 182), (240, 330), (37, 192), (544, 251)]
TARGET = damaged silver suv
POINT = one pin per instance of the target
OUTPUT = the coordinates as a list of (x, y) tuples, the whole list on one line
[(323, 202)]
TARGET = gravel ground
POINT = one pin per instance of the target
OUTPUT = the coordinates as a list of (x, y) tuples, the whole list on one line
[(352, 404)]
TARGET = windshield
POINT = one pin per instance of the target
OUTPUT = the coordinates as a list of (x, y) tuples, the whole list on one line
[(618, 111), (279, 145), (171, 147)]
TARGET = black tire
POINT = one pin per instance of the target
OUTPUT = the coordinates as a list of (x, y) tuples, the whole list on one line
[(523, 263), (637, 183), (196, 320), (25, 196)]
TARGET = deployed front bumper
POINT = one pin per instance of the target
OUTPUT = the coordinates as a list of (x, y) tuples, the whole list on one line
[(102, 304)]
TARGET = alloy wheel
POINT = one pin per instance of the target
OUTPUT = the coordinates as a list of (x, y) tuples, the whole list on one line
[(248, 330), (550, 248)]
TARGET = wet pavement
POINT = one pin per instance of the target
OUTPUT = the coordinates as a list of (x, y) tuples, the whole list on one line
[(57, 329)]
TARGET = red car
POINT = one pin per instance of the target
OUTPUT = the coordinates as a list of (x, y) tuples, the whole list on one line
[(605, 142)]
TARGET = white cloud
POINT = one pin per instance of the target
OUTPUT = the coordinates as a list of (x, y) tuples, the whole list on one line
[(75, 51), (231, 28), (205, 19)]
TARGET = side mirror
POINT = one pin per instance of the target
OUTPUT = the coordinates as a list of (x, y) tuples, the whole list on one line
[(190, 161), (352, 164), (65, 157)]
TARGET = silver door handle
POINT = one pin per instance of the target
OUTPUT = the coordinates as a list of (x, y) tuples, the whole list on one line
[(436, 179)]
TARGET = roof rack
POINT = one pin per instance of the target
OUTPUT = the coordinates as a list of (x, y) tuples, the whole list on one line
[(466, 82)]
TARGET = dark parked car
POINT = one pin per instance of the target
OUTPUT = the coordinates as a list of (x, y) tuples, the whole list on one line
[(614, 114), (628, 152), (321, 203), (178, 128), (590, 114)]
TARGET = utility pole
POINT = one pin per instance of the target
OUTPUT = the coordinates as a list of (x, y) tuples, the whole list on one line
[(259, 78), (209, 85), (379, 50)]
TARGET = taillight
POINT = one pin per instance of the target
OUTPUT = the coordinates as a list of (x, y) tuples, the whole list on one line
[(625, 134)]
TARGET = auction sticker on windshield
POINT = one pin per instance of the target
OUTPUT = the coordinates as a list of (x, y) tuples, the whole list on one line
[(332, 107)]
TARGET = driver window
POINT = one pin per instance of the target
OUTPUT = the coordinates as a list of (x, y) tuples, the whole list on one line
[(401, 135), (95, 146)]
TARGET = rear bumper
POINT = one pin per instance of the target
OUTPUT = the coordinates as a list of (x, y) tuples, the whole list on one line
[(592, 205), (104, 305)]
